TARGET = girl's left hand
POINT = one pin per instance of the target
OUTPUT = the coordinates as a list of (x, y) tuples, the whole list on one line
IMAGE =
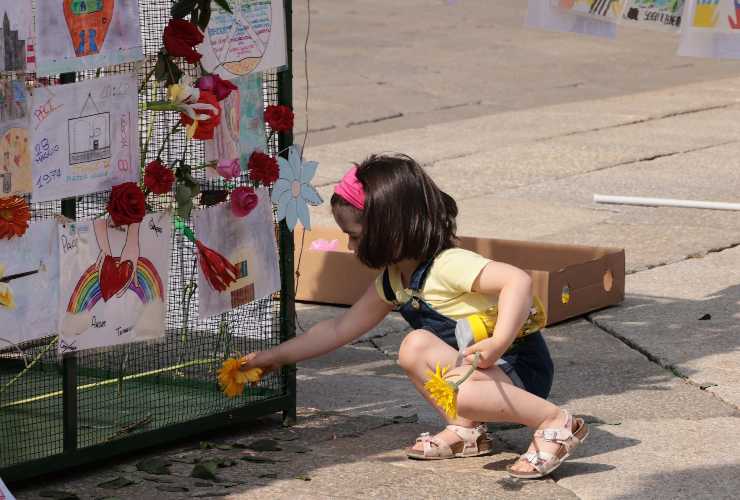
[(487, 357)]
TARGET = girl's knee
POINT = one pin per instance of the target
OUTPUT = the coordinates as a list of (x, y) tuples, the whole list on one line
[(412, 348)]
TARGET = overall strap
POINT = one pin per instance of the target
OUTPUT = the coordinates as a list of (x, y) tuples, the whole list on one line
[(419, 276), (390, 295)]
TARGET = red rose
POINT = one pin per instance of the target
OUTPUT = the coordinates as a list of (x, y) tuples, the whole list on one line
[(243, 201), (158, 178), (213, 83), (208, 113), (126, 204), (279, 118), (180, 37), (263, 168)]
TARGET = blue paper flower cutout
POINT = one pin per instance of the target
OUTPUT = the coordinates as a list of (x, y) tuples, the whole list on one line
[(292, 192)]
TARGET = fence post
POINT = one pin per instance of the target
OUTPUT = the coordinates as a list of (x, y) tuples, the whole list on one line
[(287, 294)]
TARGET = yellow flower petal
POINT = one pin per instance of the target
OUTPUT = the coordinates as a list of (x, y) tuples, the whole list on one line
[(442, 392)]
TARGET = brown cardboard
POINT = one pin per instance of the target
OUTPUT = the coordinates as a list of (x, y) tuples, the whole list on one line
[(592, 276)]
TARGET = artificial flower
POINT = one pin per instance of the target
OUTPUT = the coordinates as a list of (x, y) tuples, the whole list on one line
[(279, 118), (228, 169), (180, 37), (221, 88), (232, 378), (243, 201), (263, 168), (127, 204), (292, 192), (201, 117), (14, 217), (158, 178)]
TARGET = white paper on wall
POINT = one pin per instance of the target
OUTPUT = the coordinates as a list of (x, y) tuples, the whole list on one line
[(15, 158), (252, 39), (29, 284), (248, 243), (74, 35), (665, 14), (542, 14), (114, 281), (84, 137)]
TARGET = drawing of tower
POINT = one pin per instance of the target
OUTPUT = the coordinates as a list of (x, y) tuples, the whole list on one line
[(12, 48)]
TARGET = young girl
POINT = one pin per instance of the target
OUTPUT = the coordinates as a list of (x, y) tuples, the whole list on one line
[(399, 221)]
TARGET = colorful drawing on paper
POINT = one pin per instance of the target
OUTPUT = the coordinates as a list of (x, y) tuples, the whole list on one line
[(710, 29), (81, 34), (249, 40), (242, 128), (84, 137), (665, 13), (249, 243), (606, 9), (547, 14), (16, 42), (29, 284), (114, 281), (15, 160)]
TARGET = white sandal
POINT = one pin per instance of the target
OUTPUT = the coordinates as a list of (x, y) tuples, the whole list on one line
[(544, 462), (475, 442)]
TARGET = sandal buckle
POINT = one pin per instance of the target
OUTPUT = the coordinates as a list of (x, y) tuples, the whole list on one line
[(550, 434)]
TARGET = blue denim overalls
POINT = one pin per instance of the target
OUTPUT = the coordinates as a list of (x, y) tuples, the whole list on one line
[(527, 361)]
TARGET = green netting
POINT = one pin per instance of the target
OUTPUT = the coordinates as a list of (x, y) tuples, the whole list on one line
[(134, 388)]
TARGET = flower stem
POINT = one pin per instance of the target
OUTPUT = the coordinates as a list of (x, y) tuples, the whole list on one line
[(470, 372)]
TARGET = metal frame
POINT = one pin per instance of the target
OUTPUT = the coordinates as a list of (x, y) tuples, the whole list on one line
[(73, 456)]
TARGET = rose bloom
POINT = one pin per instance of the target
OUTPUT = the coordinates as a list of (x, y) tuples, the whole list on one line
[(158, 178), (279, 118), (180, 37), (243, 201), (228, 169), (263, 168), (218, 86), (126, 204)]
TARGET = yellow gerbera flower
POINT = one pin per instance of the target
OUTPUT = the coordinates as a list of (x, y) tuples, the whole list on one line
[(232, 378)]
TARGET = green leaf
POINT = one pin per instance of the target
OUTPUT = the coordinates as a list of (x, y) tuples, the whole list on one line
[(205, 14), (205, 470), (224, 4), (184, 198), (182, 8), (160, 69)]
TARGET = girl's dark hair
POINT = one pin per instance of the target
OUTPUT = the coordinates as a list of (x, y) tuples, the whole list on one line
[(406, 216)]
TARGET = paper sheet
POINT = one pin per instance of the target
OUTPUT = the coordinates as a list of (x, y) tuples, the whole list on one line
[(84, 136), (249, 243), (250, 40), (15, 158), (17, 34), (542, 14), (114, 281), (74, 35), (654, 13), (711, 29)]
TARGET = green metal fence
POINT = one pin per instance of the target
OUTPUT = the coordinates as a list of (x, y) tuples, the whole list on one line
[(60, 412)]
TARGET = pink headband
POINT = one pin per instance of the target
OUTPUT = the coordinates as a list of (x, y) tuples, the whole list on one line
[(350, 189)]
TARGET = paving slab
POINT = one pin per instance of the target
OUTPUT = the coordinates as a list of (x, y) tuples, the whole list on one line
[(663, 319)]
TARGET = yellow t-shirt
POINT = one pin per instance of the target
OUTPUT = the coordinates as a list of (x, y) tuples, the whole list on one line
[(447, 288)]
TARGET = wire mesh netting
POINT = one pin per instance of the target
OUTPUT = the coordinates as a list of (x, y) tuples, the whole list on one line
[(138, 387)]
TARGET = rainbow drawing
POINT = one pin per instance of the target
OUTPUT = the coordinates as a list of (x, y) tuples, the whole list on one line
[(87, 292)]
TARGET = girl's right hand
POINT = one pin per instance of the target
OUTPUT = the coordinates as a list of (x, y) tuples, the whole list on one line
[(261, 359)]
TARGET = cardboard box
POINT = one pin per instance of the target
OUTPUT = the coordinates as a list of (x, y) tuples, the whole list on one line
[(571, 280)]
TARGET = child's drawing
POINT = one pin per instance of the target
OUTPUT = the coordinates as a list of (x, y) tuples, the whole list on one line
[(15, 160), (29, 284), (84, 137), (16, 45), (249, 243), (663, 13), (251, 39), (114, 281), (74, 35), (711, 28), (607, 9)]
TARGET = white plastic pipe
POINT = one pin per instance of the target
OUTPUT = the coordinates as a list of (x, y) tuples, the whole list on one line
[(664, 202)]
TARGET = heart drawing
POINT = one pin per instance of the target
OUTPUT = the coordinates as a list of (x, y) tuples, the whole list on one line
[(114, 276), (88, 22), (239, 41)]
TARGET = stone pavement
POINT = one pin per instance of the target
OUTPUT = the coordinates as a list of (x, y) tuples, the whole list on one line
[(658, 377)]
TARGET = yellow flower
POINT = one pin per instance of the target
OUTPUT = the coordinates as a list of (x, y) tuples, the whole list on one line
[(232, 378), (443, 393)]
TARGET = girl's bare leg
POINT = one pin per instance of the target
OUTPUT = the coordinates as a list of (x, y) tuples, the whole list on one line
[(487, 396)]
